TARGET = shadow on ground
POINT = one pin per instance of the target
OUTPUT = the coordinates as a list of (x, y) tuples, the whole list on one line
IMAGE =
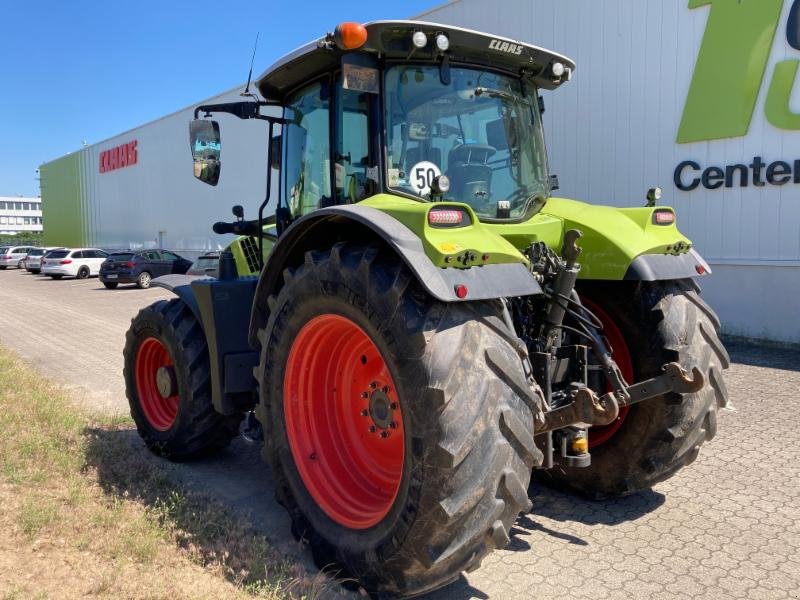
[(222, 505), (239, 481), (758, 355)]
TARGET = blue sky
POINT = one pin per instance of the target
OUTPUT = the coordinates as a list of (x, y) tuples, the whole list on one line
[(74, 71)]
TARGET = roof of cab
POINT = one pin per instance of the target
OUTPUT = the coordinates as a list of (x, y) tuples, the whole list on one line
[(392, 40)]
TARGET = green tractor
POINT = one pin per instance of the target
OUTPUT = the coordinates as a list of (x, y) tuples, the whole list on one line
[(421, 324)]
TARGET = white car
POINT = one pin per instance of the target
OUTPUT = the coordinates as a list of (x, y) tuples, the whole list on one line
[(79, 262)]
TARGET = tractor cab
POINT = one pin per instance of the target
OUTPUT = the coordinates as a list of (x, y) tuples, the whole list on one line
[(412, 109)]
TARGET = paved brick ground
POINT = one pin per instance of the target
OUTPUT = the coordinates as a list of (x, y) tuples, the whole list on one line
[(726, 527)]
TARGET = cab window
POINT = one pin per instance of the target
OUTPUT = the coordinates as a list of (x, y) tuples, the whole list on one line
[(352, 145), (307, 181)]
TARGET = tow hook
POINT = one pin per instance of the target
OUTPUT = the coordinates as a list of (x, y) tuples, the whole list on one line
[(587, 408)]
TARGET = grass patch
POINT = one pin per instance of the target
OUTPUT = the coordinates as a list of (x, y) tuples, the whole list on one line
[(91, 512)]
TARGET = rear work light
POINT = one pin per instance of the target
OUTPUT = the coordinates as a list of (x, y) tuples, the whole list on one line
[(663, 217), (66, 261), (448, 217)]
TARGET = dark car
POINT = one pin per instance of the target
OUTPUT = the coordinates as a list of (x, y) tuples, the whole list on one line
[(140, 267), (206, 264)]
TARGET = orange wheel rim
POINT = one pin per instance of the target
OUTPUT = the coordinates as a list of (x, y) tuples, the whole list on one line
[(622, 356), (160, 412), (344, 421)]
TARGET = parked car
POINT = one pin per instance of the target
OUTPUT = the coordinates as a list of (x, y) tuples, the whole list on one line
[(207, 264), (140, 267), (78, 262), (33, 261), (14, 256)]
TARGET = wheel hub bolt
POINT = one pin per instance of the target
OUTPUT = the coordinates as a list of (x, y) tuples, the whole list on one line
[(393, 406), (372, 428), (386, 389), (373, 385), (365, 394), (384, 434), (393, 425), (365, 413)]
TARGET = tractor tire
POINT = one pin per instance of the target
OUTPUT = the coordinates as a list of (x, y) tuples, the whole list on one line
[(110, 285), (143, 281), (167, 383), (653, 323), (398, 440)]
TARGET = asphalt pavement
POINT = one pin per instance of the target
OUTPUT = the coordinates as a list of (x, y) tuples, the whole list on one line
[(728, 526)]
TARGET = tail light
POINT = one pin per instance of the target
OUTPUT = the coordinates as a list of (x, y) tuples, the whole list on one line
[(448, 217), (663, 216), (66, 261), (129, 264)]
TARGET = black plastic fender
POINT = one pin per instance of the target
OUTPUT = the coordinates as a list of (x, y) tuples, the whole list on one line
[(181, 286), (223, 308), (484, 282), (656, 267)]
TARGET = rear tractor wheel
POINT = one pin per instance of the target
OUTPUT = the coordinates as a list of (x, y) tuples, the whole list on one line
[(168, 386), (646, 326), (400, 453)]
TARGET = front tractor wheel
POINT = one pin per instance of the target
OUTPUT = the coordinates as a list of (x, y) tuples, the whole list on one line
[(168, 386), (647, 326), (401, 455)]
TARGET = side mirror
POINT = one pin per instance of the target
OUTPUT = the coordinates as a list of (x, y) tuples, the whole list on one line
[(238, 211), (204, 141)]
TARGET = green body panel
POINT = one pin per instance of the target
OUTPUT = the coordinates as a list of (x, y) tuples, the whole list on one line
[(613, 237), (453, 242), (63, 206), (245, 249)]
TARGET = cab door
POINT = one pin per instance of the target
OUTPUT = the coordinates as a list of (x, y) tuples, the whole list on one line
[(355, 168), (306, 177)]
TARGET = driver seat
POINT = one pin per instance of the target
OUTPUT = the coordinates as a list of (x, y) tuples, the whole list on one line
[(469, 172)]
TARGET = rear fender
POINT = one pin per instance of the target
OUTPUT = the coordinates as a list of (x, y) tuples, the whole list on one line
[(325, 227)]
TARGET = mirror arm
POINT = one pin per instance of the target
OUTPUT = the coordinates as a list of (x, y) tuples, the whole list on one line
[(243, 110), (263, 205)]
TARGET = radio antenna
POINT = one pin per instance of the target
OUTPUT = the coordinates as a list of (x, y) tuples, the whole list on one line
[(246, 91)]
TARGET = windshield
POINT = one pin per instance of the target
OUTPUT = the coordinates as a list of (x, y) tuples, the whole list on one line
[(480, 130)]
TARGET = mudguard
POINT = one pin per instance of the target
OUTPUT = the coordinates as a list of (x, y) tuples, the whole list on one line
[(222, 308), (626, 243), (484, 282)]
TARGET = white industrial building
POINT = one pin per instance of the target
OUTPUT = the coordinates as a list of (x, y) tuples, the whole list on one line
[(624, 123), (20, 215)]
